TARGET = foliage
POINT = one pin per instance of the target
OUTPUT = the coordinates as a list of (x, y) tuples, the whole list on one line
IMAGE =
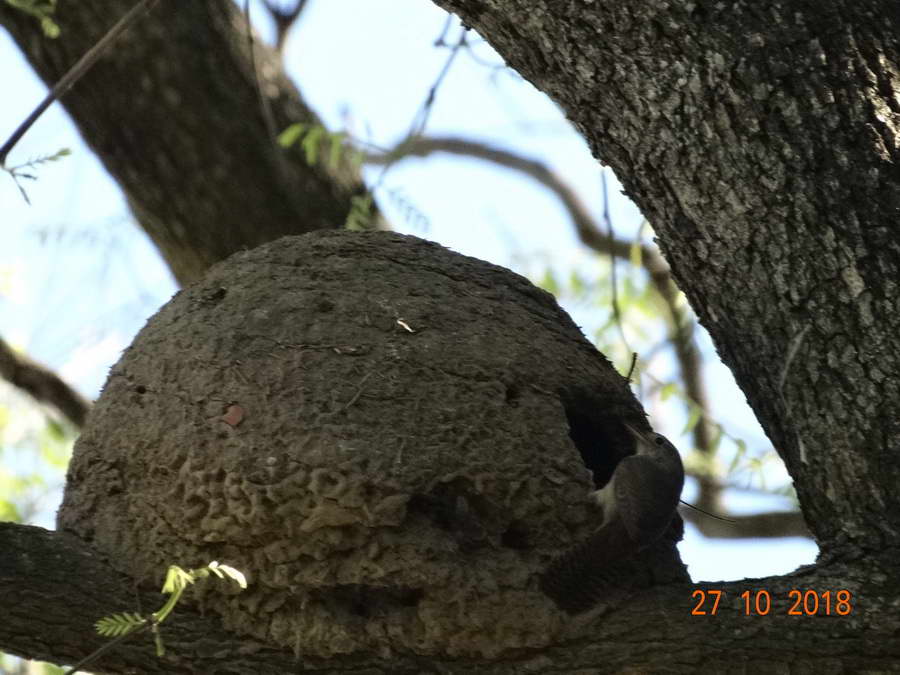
[(34, 451), (10, 665), (315, 140), (412, 215), (41, 10), (361, 214), (120, 626), (177, 581), (18, 172)]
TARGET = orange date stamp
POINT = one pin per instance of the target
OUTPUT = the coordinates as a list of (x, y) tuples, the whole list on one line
[(759, 602)]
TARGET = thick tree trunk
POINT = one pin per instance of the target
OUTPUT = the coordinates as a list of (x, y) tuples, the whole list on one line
[(174, 113)]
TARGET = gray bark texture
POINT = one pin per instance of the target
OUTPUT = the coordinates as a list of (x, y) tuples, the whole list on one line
[(760, 139), (173, 111)]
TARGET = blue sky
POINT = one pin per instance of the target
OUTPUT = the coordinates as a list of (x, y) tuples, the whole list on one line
[(78, 279)]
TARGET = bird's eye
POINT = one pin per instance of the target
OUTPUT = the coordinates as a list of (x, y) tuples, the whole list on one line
[(659, 440)]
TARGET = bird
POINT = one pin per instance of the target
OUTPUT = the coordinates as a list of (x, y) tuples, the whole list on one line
[(637, 504)]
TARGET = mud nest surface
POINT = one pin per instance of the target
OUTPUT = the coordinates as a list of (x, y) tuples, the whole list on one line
[(391, 440)]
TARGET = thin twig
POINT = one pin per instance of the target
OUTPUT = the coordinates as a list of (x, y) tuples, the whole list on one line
[(421, 119), (613, 274), (634, 360), (43, 384), (105, 648), (585, 225), (769, 524)]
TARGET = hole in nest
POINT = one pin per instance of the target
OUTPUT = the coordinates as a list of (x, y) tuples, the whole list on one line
[(515, 536), (590, 432), (512, 394)]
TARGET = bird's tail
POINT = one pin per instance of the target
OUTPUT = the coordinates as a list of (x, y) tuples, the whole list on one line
[(576, 580)]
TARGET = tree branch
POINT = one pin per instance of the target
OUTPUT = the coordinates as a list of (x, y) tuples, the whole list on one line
[(768, 525), (585, 225), (84, 64), (54, 587), (211, 184), (43, 384)]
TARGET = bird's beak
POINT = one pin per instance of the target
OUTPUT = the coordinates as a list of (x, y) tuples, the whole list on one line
[(639, 436)]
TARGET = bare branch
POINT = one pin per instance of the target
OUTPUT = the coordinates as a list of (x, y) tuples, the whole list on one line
[(421, 119), (586, 227), (758, 525), (43, 384)]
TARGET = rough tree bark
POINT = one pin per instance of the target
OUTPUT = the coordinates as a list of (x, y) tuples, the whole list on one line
[(760, 139), (174, 114)]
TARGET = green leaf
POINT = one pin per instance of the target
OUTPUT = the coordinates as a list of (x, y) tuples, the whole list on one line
[(693, 418), (55, 430), (51, 30), (718, 435), (177, 580), (666, 392), (119, 624), (576, 283), (549, 283), (738, 456), (336, 148), (312, 143), (360, 216), (291, 135), (635, 253), (41, 11), (9, 512)]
